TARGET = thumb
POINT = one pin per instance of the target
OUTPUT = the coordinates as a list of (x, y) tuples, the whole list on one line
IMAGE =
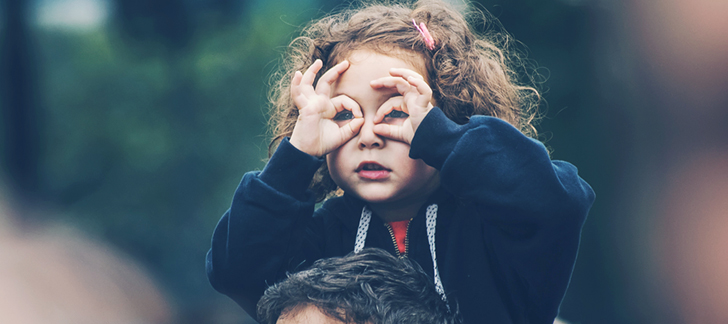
[(351, 128), (396, 133)]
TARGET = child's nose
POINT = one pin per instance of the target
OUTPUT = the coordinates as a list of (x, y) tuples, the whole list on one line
[(367, 137)]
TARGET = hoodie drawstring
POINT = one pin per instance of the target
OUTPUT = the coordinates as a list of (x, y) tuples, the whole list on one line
[(431, 221)]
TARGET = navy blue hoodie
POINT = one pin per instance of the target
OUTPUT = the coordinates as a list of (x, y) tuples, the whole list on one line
[(508, 225)]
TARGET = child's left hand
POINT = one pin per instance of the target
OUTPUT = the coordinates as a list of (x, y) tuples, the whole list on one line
[(415, 101)]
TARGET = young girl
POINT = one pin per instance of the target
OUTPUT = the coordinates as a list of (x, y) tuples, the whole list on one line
[(414, 128)]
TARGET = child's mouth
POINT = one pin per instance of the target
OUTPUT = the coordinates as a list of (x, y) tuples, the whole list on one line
[(372, 171)]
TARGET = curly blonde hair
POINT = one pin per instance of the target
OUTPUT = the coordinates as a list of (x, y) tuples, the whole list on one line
[(470, 73)]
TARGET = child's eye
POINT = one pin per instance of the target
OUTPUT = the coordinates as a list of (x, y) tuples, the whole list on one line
[(344, 115), (397, 114)]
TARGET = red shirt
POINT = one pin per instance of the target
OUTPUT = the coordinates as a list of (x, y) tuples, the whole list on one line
[(400, 234)]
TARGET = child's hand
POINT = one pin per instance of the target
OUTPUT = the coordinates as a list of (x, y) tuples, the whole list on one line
[(320, 127), (415, 101)]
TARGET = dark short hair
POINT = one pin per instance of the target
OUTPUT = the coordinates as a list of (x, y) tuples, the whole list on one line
[(371, 286)]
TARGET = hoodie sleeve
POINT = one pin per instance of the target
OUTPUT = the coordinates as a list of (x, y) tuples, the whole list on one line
[(532, 208), (253, 243)]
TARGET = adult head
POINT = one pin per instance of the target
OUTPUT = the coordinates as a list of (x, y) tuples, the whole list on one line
[(371, 287)]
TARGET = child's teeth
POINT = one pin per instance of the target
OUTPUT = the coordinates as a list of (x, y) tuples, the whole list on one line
[(371, 167)]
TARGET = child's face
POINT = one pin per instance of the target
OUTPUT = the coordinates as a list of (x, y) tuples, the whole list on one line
[(374, 168)]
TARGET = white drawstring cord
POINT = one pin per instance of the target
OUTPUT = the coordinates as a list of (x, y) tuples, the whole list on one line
[(431, 221)]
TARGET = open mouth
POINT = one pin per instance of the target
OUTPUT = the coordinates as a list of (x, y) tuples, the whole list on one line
[(372, 171), (371, 166)]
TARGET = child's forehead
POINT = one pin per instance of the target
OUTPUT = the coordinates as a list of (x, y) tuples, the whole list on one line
[(366, 66), (416, 60)]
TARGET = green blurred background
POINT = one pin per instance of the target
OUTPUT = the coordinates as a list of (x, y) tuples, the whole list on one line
[(133, 121)]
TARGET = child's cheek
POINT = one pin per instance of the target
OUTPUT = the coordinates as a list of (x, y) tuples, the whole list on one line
[(332, 163)]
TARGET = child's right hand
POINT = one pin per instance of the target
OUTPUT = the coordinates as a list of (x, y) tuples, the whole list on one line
[(316, 132)]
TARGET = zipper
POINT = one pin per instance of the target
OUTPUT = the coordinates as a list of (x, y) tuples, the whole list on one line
[(406, 238), (394, 239)]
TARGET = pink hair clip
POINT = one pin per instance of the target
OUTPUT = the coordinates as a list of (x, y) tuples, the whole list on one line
[(429, 41)]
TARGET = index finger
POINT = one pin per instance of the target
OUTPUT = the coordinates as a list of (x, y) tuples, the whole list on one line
[(323, 86), (310, 74), (405, 73), (344, 102), (388, 106), (397, 83)]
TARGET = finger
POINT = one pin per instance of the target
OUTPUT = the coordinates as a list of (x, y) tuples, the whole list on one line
[(296, 78), (394, 103), (390, 131), (404, 73), (420, 84), (310, 73), (324, 83), (295, 83), (398, 83), (343, 102), (296, 92), (351, 128), (423, 89)]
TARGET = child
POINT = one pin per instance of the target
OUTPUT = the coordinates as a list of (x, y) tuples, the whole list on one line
[(412, 131)]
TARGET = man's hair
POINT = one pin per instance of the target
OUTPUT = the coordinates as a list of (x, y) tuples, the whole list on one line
[(371, 286)]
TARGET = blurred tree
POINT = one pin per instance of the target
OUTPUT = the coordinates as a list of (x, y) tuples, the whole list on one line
[(155, 125), (167, 22), (171, 22), (563, 37), (22, 125)]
